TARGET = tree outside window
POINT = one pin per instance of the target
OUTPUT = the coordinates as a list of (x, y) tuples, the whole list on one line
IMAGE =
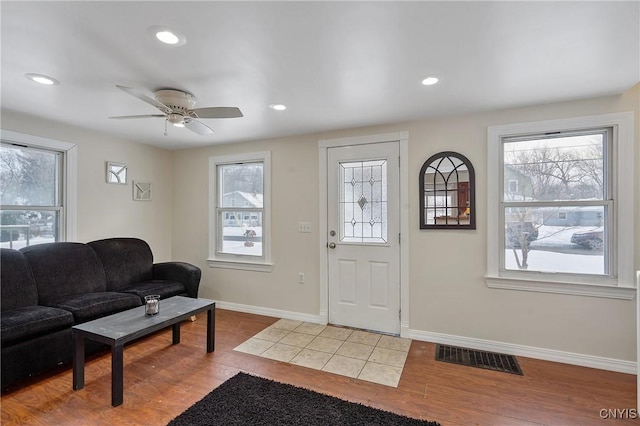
[(240, 211), (556, 204), (30, 196)]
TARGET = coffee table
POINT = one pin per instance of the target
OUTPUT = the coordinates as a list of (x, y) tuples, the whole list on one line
[(123, 327)]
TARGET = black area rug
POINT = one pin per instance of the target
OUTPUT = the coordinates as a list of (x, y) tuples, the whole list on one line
[(250, 400)]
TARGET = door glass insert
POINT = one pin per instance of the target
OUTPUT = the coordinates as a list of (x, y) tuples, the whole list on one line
[(363, 201)]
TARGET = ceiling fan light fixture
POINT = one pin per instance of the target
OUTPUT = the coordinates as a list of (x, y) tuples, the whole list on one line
[(278, 107), (176, 119)]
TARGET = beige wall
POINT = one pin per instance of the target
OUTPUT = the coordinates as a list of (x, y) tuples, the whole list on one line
[(445, 297), (106, 210)]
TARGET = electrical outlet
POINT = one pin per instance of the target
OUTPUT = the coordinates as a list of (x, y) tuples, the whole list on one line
[(304, 227), (300, 277)]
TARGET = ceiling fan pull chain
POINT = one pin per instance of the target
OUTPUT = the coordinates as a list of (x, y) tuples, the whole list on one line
[(165, 127)]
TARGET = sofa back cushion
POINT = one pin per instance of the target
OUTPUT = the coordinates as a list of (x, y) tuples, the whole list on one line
[(18, 288), (64, 269), (126, 261)]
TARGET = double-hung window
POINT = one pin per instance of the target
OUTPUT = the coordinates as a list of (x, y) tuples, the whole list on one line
[(560, 203), (37, 190), (239, 211)]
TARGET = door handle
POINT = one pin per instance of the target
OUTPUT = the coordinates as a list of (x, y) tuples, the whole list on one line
[(332, 245)]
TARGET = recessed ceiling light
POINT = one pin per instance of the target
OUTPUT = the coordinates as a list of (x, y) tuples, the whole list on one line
[(278, 107), (167, 35), (42, 79), (430, 81)]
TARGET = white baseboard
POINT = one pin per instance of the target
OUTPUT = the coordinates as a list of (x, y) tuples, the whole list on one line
[(591, 361), (269, 312)]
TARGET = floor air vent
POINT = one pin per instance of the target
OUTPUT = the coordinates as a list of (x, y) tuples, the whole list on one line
[(480, 359)]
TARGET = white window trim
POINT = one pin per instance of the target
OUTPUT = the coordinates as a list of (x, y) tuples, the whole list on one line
[(229, 261), (70, 175), (620, 287)]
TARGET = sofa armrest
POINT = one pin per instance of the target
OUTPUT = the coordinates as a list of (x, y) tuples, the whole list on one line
[(183, 272)]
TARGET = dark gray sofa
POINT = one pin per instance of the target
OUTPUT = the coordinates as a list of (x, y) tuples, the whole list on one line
[(47, 288)]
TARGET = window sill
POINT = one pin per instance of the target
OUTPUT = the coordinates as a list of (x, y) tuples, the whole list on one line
[(592, 290), (245, 266)]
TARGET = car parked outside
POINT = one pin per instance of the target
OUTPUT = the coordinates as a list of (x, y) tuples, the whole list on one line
[(592, 239)]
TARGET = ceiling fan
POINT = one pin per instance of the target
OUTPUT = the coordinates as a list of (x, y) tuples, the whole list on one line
[(177, 109)]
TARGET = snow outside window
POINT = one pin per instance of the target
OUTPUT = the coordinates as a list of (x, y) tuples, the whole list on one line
[(239, 187), (559, 195), (37, 190)]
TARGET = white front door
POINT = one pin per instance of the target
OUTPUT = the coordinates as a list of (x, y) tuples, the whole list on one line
[(363, 249)]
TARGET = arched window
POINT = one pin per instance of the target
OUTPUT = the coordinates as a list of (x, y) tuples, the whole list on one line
[(447, 192)]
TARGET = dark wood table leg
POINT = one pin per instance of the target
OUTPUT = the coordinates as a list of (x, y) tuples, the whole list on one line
[(78, 361), (117, 379), (211, 329), (176, 333)]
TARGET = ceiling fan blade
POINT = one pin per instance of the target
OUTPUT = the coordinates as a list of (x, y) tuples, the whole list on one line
[(137, 94), (217, 112), (198, 127), (121, 117)]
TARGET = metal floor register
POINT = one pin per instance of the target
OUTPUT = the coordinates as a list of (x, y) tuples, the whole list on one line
[(479, 359)]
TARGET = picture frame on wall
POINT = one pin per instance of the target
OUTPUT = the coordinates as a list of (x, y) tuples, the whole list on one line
[(116, 173), (141, 191)]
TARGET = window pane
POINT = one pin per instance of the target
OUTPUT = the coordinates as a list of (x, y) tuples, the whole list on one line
[(556, 239), (241, 185), (28, 177), (21, 228), (552, 169), (242, 233)]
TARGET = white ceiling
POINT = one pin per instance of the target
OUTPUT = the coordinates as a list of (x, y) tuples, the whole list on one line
[(334, 64)]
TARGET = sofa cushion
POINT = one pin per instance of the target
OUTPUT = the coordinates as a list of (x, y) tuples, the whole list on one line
[(163, 288), (29, 322), (89, 306), (126, 261), (64, 269), (18, 288)]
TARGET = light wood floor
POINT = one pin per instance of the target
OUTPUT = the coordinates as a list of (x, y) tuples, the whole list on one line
[(162, 380)]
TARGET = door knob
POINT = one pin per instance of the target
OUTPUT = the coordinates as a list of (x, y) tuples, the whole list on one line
[(332, 245)]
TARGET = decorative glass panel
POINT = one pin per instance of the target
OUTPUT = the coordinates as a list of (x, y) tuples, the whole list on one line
[(363, 201)]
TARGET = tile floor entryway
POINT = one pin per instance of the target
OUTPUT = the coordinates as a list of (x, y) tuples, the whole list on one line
[(360, 354)]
